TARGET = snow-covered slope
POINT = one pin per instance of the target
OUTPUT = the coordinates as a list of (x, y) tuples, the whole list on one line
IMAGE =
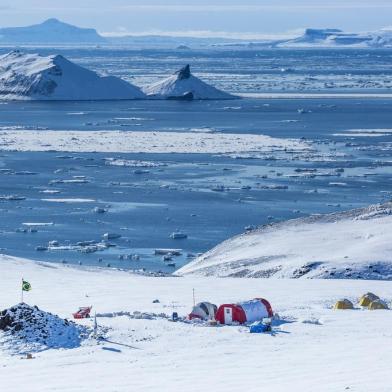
[(333, 350), (35, 77), (183, 85), (50, 31), (353, 244)]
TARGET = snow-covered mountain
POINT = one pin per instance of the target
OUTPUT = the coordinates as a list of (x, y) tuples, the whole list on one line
[(354, 244), (183, 85), (50, 31), (33, 77)]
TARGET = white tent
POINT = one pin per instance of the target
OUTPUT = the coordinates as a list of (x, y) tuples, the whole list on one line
[(203, 311)]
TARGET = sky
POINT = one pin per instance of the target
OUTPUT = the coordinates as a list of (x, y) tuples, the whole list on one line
[(227, 18)]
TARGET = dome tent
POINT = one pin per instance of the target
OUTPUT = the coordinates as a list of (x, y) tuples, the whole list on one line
[(244, 312), (203, 311), (378, 304), (344, 304), (367, 298)]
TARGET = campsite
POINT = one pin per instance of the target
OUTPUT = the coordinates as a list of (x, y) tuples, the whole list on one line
[(141, 349)]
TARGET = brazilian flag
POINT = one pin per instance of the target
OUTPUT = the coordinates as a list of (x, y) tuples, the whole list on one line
[(26, 286)]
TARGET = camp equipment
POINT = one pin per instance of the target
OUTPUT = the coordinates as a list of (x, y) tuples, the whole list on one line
[(259, 327), (203, 311), (367, 298), (377, 305), (244, 312), (83, 312), (344, 304)]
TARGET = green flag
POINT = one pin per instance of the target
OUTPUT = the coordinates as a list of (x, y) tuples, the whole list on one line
[(26, 286)]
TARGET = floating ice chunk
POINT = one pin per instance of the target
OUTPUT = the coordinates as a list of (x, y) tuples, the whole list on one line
[(111, 236), (177, 235), (174, 252), (35, 224), (12, 197), (99, 210), (75, 200), (50, 191)]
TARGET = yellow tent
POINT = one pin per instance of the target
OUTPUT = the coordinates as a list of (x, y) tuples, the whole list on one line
[(367, 298), (344, 304), (378, 304)]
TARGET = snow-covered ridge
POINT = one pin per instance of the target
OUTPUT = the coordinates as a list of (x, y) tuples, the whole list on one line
[(184, 86), (34, 77), (354, 244)]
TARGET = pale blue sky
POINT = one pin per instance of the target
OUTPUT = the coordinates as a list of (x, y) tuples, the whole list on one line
[(202, 17)]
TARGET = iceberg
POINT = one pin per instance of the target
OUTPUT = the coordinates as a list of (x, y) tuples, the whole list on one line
[(182, 85), (26, 76)]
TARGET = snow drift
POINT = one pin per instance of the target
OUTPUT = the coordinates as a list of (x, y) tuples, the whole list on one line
[(29, 329), (35, 77), (182, 85), (353, 245)]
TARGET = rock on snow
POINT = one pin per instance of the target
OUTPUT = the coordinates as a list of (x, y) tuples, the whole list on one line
[(184, 86), (353, 245), (34, 77), (29, 329)]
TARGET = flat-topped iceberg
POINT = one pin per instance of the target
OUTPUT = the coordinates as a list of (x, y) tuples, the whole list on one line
[(182, 85), (339, 38), (26, 76)]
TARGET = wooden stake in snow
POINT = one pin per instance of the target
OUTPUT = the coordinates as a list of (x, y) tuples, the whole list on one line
[(95, 326)]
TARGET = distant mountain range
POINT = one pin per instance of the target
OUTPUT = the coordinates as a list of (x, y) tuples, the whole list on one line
[(50, 31), (53, 31)]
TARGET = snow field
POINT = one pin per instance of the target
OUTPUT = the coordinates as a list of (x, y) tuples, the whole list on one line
[(320, 349)]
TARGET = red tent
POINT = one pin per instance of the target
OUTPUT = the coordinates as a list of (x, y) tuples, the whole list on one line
[(244, 312)]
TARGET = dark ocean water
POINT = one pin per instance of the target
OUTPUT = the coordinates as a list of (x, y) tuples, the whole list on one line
[(177, 194)]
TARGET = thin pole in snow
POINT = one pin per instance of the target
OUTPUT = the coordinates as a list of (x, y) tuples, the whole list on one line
[(22, 291), (95, 326), (194, 302)]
